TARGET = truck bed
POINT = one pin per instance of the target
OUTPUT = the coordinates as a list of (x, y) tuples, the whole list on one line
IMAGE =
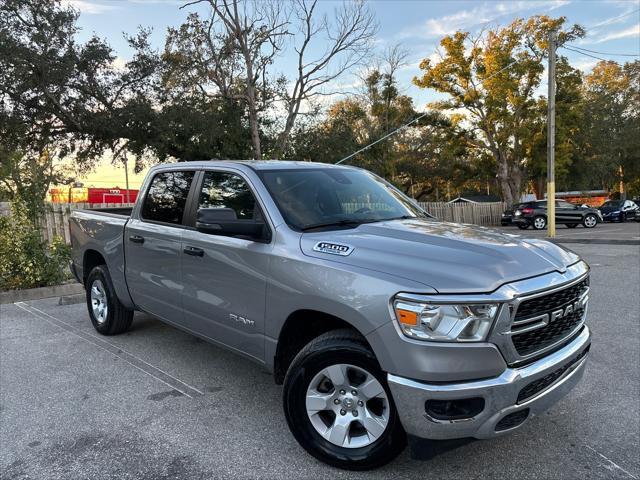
[(100, 232)]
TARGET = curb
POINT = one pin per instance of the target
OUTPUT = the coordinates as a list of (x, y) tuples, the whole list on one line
[(595, 241), (12, 296)]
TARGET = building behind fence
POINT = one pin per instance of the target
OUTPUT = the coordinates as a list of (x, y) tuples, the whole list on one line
[(55, 221)]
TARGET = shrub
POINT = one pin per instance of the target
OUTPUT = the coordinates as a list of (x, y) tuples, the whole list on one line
[(26, 261)]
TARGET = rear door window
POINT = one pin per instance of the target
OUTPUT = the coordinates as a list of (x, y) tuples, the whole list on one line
[(167, 196)]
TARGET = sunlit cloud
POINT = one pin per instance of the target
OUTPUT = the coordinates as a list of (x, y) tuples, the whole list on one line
[(90, 7), (483, 13), (629, 32)]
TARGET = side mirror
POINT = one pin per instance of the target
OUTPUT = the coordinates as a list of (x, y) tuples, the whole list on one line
[(223, 221)]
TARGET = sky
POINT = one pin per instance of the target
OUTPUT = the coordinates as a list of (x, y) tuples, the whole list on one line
[(613, 27)]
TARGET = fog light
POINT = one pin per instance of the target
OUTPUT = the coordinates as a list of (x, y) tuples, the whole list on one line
[(454, 409)]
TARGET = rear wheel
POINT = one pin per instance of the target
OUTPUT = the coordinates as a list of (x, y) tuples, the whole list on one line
[(338, 405), (108, 315), (590, 221), (539, 222)]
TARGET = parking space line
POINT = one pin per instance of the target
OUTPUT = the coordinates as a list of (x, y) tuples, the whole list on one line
[(136, 362), (613, 464)]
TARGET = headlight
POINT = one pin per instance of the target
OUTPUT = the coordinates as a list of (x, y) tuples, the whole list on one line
[(445, 322), (518, 213)]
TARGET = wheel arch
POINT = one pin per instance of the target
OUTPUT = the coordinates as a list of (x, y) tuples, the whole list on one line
[(300, 327), (91, 259)]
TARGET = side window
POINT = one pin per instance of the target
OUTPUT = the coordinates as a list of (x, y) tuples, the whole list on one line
[(227, 190), (167, 197)]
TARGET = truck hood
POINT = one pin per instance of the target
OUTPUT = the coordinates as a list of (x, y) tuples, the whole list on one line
[(448, 257)]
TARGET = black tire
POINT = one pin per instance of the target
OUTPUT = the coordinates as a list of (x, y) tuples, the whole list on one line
[(332, 348), (118, 318), (572, 225), (538, 218), (589, 218), (523, 226)]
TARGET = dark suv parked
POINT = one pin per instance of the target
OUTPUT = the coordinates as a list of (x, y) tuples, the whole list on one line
[(507, 215), (535, 214), (619, 210)]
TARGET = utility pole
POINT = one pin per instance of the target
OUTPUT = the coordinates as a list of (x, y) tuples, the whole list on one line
[(551, 138)]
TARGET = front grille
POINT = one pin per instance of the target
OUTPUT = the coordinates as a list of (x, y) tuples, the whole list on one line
[(527, 343), (555, 300), (512, 420), (530, 342), (542, 383)]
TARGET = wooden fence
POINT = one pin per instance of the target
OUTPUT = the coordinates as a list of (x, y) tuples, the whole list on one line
[(55, 221), (488, 214)]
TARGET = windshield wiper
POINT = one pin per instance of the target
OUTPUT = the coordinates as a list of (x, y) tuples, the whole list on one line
[(339, 223)]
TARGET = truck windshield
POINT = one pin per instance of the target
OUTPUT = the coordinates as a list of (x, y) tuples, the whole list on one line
[(326, 198)]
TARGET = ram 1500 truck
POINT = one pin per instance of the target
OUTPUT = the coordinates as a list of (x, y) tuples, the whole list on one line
[(383, 323)]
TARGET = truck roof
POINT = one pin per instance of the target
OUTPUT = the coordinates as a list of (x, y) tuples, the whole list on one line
[(259, 164)]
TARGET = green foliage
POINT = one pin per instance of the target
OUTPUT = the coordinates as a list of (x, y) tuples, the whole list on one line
[(493, 79), (26, 261)]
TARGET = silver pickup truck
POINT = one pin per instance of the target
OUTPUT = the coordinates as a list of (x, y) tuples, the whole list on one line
[(383, 323)]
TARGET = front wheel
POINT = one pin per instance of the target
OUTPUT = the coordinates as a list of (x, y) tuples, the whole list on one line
[(108, 315), (338, 405), (540, 222), (590, 221)]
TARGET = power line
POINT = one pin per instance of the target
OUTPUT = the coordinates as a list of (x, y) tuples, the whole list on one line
[(605, 53), (402, 127), (588, 54)]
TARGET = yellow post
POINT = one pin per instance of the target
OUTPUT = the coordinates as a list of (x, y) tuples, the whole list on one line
[(551, 140)]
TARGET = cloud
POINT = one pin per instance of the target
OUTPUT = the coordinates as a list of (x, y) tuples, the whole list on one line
[(632, 31), (90, 7), (119, 64), (585, 65), (483, 13)]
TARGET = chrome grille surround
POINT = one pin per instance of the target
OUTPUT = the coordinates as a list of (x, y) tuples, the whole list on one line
[(507, 327), (510, 296)]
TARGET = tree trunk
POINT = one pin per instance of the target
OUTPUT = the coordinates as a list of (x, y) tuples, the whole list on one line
[(253, 122), (503, 176)]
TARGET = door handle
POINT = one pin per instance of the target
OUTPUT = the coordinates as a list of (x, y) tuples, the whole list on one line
[(194, 251), (136, 239)]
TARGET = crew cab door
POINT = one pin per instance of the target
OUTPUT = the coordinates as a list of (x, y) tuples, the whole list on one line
[(153, 245), (224, 277)]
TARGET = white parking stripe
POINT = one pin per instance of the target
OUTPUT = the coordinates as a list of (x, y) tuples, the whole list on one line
[(134, 361)]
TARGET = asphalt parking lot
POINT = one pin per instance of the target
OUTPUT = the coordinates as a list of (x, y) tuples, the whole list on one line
[(156, 403), (603, 232)]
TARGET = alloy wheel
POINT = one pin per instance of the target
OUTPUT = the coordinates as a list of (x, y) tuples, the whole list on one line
[(99, 301), (347, 406)]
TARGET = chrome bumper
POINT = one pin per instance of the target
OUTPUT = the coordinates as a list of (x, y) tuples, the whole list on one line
[(500, 395)]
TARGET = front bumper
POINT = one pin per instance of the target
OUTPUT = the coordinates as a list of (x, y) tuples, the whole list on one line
[(500, 396)]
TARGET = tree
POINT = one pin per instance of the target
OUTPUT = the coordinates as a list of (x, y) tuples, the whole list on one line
[(420, 159), (492, 78), (59, 98), (570, 139), (612, 119), (231, 55)]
